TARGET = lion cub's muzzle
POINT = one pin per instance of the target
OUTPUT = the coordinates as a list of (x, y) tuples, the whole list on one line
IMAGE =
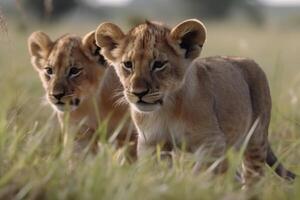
[(144, 101), (64, 102)]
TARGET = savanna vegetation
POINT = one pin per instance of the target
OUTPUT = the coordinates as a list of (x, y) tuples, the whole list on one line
[(36, 164)]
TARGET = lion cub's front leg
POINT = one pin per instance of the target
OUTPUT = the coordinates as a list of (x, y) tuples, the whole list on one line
[(210, 152), (144, 148), (148, 148), (83, 136), (209, 149)]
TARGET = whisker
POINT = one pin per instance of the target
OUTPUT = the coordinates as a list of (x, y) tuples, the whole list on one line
[(119, 96), (117, 93), (121, 101), (118, 90)]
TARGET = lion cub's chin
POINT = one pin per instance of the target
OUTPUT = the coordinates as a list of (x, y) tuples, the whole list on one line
[(64, 108), (145, 107)]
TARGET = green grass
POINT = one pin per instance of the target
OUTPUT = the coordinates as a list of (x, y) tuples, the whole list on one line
[(34, 164)]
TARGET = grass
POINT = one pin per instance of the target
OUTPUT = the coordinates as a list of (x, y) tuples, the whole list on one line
[(34, 164)]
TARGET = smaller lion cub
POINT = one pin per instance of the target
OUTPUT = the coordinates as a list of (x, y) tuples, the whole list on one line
[(176, 98), (74, 77)]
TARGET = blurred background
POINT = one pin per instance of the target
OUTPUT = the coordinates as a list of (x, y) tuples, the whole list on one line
[(266, 30), (31, 162), (257, 12)]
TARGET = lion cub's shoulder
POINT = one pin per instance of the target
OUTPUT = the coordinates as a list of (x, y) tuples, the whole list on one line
[(222, 65), (223, 61), (219, 73)]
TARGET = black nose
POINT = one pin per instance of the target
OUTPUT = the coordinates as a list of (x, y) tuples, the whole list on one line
[(140, 94), (59, 95)]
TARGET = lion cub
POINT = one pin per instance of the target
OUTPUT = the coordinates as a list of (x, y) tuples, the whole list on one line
[(176, 98), (75, 79)]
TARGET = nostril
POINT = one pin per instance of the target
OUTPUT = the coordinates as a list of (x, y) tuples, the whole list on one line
[(58, 96), (140, 94)]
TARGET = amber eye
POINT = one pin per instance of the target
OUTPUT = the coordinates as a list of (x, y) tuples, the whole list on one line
[(74, 71), (127, 65), (49, 71), (159, 65)]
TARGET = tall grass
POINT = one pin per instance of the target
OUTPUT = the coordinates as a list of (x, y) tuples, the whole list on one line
[(35, 164)]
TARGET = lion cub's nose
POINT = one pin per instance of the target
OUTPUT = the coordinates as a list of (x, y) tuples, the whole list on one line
[(58, 96), (140, 93)]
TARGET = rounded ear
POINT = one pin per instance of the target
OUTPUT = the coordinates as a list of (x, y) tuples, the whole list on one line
[(108, 36), (39, 46), (91, 50), (190, 35)]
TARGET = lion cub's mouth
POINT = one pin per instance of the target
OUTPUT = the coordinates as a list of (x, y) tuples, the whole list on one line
[(60, 103), (143, 106), (67, 106), (141, 102)]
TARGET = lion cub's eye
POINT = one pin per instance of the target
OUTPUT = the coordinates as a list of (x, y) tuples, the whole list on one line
[(159, 65), (74, 71), (49, 71), (127, 65)]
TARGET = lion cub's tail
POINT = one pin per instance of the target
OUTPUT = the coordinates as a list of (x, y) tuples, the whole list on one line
[(260, 93), (280, 170)]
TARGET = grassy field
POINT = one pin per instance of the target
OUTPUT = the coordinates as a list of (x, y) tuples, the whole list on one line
[(35, 165)]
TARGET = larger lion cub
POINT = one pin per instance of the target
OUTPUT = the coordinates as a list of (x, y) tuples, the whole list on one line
[(175, 97), (76, 79)]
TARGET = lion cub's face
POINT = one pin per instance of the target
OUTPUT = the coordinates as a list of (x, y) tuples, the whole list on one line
[(151, 60), (70, 68)]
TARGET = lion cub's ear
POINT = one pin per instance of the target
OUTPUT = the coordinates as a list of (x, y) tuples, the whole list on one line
[(108, 36), (190, 35), (39, 45), (91, 50)]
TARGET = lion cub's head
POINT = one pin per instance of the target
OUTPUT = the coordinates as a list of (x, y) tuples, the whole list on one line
[(70, 68), (151, 59)]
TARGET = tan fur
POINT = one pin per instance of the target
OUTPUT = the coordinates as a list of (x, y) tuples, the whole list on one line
[(207, 104), (94, 86)]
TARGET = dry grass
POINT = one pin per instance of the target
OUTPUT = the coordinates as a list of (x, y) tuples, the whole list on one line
[(35, 165)]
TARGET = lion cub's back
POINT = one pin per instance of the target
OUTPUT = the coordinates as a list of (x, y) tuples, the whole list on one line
[(230, 90)]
